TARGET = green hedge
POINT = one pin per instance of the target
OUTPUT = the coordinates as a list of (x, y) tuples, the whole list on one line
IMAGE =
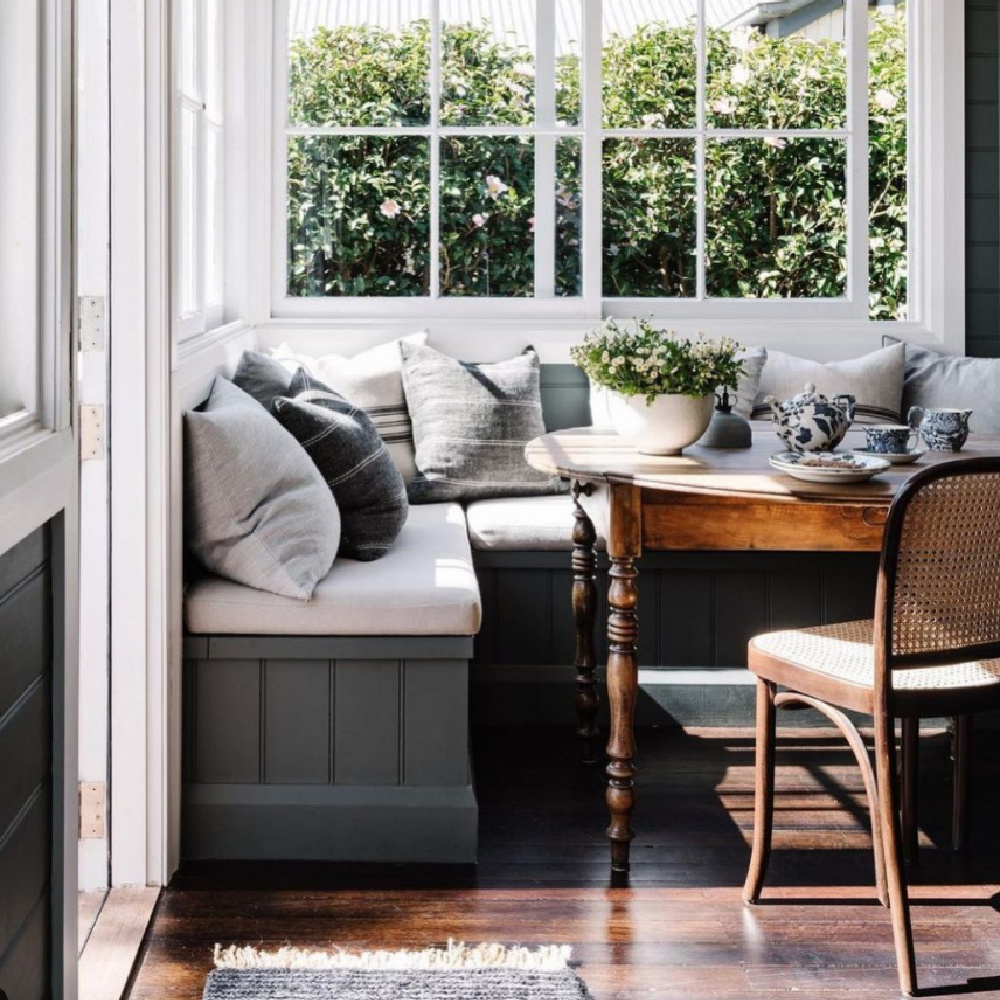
[(359, 206)]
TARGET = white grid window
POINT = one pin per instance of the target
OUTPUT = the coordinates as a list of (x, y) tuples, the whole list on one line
[(199, 219), (560, 157)]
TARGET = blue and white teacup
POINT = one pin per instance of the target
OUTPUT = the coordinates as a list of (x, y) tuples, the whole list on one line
[(942, 428), (889, 439)]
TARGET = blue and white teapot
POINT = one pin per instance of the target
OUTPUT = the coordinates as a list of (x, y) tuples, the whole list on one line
[(810, 421)]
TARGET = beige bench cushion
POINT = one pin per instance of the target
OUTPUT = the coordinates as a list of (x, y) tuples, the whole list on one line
[(529, 524), (424, 586)]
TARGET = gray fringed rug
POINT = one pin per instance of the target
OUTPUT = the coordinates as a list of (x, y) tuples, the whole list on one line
[(458, 972)]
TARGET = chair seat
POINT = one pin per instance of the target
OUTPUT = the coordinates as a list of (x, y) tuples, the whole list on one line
[(844, 653)]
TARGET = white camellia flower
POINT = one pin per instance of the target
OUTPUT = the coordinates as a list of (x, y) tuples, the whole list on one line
[(479, 220), (740, 75), (613, 249), (725, 106), (886, 99), (390, 208), (651, 120), (494, 186), (742, 39), (524, 69), (776, 141)]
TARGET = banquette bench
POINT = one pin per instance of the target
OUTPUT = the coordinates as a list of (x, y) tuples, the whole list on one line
[(339, 729)]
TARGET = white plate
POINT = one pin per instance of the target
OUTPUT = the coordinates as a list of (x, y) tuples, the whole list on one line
[(837, 468), (904, 458)]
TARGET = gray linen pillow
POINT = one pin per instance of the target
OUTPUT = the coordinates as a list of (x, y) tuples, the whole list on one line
[(470, 425), (257, 509), (346, 447), (875, 380), (943, 380)]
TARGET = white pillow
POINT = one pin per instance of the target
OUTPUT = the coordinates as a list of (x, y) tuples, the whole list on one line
[(874, 380), (746, 389), (373, 381)]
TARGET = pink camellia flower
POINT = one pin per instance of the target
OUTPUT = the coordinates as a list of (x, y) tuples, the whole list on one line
[(494, 186), (776, 141), (479, 220), (390, 208), (531, 224)]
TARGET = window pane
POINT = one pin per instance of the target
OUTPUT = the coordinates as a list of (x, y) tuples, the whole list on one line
[(213, 215), (358, 64), (649, 75), (887, 165), (358, 219), (650, 229), (488, 63), (487, 216), (190, 35), (20, 206), (756, 79), (189, 262), (776, 220), (569, 217), (213, 59), (569, 33)]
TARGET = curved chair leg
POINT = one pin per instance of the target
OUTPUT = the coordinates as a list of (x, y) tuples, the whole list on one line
[(763, 791), (899, 909), (789, 699), (961, 740)]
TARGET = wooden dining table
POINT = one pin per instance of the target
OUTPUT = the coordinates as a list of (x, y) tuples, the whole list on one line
[(703, 499)]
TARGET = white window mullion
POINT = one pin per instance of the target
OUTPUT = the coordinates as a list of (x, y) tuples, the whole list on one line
[(435, 150), (592, 121), (545, 149), (701, 153), (857, 157)]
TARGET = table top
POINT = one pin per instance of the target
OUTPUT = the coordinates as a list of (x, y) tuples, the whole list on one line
[(596, 455)]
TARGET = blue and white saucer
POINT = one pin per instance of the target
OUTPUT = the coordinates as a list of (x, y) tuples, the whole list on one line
[(903, 458)]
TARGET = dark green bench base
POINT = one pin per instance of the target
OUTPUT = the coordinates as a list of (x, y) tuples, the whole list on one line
[(334, 749)]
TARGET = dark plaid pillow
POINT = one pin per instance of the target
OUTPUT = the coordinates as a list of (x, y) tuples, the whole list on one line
[(351, 456)]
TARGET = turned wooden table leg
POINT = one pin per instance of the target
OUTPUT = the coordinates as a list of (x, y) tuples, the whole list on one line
[(623, 668), (584, 617)]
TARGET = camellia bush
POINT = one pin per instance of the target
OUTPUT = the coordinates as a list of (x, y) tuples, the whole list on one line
[(359, 205)]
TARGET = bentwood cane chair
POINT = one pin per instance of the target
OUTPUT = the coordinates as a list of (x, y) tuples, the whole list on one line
[(932, 650)]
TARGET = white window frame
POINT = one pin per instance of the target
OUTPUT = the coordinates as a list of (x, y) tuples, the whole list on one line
[(936, 233), (209, 242), (45, 381)]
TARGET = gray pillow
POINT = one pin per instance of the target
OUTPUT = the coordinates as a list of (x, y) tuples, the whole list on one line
[(470, 425), (257, 510), (353, 459), (262, 377), (942, 380)]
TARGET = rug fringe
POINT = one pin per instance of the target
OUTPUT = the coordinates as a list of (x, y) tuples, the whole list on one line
[(458, 955)]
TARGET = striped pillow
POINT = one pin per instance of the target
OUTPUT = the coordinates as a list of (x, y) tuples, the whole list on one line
[(875, 381), (371, 380), (470, 426), (352, 458)]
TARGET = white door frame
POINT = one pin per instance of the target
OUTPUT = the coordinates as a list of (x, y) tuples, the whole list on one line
[(92, 238), (144, 706)]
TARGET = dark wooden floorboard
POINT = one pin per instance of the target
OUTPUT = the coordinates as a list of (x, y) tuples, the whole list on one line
[(679, 930)]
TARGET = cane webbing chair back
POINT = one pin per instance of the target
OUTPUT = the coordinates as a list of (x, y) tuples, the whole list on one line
[(940, 594)]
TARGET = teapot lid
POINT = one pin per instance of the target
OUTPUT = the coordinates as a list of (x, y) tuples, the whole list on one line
[(810, 395)]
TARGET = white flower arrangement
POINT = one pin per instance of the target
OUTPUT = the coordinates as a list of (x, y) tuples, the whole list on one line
[(650, 362)]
